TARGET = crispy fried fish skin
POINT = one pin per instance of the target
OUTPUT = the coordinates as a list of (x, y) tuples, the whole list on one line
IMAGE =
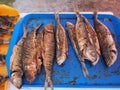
[(48, 53), (39, 46), (106, 41), (71, 31), (93, 39), (61, 42), (29, 56), (86, 48), (16, 62)]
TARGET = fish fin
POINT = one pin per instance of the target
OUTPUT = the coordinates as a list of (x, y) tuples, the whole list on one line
[(48, 81), (37, 27), (57, 17), (95, 15), (25, 31), (84, 68), (76, 10)]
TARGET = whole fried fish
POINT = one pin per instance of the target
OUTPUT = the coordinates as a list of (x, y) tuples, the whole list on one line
[(106, 42), (86, 48), (39, 46), (29, 56), (48, 53), (71, 31), (61, 42), (16, 62), (93, 39)]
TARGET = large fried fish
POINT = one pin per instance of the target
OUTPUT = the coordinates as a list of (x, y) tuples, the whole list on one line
[(86, 48), (29, 56), (93, 39), (106, 42), (16, 62), (71, 31), (48, 53), (61, 42)]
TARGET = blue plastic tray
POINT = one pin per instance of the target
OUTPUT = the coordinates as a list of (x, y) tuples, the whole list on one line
[(70, 73)]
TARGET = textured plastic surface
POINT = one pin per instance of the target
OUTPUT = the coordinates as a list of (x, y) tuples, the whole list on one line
[(70, 73)]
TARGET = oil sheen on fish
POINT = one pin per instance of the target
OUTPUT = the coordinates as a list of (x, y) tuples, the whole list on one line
[(71, 31), (29, 56), (93, 39), (16, 62), (106, 41), (61, 42), (48, 53), (39, 46)]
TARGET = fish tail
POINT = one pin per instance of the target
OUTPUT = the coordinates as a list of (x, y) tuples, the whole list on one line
[(95, 15), (57, 17), (76, 10), (48, 81), (25, 31), (37, 27), (84, 68)]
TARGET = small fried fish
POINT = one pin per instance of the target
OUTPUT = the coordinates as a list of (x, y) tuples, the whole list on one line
[(106, 41), (61, 42)]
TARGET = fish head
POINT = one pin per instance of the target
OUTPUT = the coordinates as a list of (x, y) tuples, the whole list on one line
[(49, 28), (90, 54), (30, 72), (16, 78), (112, 57)]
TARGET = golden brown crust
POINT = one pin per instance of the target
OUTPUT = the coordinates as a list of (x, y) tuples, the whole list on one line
[(61, 42), (107, 43)]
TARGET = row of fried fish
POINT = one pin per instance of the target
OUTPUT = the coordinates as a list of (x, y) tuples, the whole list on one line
[(89, 43), (32, 50)]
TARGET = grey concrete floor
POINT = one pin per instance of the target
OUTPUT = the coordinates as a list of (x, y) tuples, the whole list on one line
[(43, 5), (64, 5), (67, 5)]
